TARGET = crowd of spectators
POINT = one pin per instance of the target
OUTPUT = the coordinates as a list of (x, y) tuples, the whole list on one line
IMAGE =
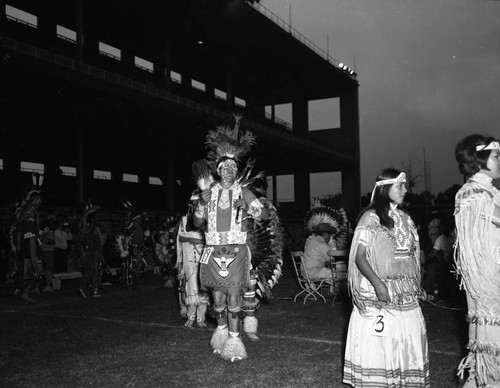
[(64, 242)]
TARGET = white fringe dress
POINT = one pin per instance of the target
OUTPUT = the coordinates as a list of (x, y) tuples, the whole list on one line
[(189, 248), (386, 342), (477, 256)]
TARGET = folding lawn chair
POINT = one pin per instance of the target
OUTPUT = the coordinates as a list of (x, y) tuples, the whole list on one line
[(310, 287), (338, 260)]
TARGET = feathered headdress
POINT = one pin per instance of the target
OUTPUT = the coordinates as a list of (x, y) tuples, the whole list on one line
[(336, 218), (134, 213), (24, 203), (227, 142), (265, 240)]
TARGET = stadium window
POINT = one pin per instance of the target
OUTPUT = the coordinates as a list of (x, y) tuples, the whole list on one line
[(68, 171), (155, 181), (324, 184), (324, 114), (176, 77), (103, 175), (143, 64), (66, 34), (110, 51), (20, 16), (285, 188), (198, 85), (240, 102), (282, 115), (32, 167), (284, 112), (130, 178), (220, 94)]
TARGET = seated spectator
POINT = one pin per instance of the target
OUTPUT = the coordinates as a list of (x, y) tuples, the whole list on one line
[(62, 235), (88, 242), (317, 252), (442, 258), (90, 257), (434, 229), (47, 242)]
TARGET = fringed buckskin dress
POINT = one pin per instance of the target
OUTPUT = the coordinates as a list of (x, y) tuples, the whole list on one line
[(477, 256), (386, 342)]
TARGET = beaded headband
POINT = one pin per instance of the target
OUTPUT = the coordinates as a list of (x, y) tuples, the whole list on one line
[(494, 145), (227, 163), (401, 178)]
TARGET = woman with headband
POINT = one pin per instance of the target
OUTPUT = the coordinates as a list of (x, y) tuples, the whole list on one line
[(386, 340), (477, 256)]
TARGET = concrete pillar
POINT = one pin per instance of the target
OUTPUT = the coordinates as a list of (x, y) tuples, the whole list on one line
[(128, 60), (257, 108), (81, 169), (11, 159), (351, 192), (302, 190), (162, 66), (169, 178), (300, 112), (229, 91), (209, 90), (2, 17), (84, 166), (47, 26), (349, 119), (186, 80), (351, 176)]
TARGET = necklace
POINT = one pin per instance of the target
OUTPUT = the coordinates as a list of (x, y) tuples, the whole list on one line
[(224, 199)]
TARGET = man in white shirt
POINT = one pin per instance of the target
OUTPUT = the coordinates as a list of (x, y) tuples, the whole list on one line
[(317, 251), (62, 235)]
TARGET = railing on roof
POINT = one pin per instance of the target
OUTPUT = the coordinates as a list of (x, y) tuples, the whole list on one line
[(21, 21), (279, 121), (301, 38)]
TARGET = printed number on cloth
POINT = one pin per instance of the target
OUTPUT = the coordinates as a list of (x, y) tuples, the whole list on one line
[(207, 252), (380, 325)]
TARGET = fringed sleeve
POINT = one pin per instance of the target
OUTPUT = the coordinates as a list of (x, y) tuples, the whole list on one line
[(363, 235), (476, 254), (416, 245), (181, 270)]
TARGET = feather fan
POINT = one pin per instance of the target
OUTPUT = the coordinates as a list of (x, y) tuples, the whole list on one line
[(122, 244), (14, 239), (202, 175)]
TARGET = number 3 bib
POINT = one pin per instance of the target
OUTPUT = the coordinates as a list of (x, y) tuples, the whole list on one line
[(380, 324)]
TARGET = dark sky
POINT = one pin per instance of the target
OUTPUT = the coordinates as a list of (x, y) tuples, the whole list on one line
[(429, 74)]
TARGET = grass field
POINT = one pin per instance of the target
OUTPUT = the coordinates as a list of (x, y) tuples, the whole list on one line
[(137, 339)]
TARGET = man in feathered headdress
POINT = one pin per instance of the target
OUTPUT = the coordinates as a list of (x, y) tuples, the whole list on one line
[(329, 228), (29, 229), (89, 244), (130, 244), (225, 205)]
